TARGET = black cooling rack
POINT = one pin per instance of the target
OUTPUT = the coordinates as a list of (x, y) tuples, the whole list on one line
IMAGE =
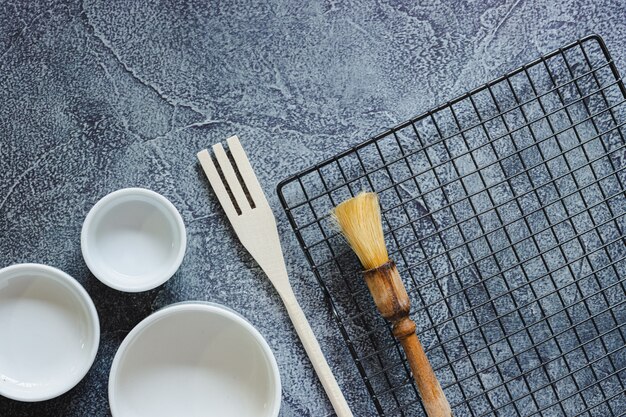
[(504, 210)]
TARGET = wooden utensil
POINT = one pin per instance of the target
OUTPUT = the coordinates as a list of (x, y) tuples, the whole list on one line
[(360, 222), (255, 225)]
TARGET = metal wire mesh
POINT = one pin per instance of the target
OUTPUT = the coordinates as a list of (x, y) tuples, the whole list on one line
[(504, 211)]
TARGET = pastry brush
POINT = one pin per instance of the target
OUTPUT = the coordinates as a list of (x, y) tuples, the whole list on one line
[(359, 219)]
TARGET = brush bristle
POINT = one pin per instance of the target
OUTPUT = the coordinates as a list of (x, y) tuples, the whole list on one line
[(360, 223)]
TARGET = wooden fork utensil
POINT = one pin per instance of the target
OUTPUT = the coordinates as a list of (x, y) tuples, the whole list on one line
[(255, 225)]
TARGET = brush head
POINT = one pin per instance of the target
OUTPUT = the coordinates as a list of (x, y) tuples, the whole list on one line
[(359, 221)]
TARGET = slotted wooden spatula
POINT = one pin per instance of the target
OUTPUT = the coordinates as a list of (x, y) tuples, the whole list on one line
[(255, 225)]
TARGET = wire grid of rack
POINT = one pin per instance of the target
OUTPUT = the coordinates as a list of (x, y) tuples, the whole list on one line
[(504, 210)]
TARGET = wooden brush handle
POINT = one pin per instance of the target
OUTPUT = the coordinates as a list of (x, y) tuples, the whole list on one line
[(393, 303), (433, 398)]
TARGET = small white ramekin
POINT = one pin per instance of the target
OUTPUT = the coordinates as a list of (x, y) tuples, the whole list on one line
[(49, 332), (133, 239), (194, 359)]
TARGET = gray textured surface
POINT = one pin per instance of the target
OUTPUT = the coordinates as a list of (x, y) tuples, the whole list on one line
[(104, 95)]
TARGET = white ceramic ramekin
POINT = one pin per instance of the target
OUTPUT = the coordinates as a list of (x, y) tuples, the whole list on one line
[(133, 239), (194, 360), (49, 332)]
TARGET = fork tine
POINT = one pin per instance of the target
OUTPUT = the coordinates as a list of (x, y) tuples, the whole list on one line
[(216, 183), (231, 178), (246, 171)]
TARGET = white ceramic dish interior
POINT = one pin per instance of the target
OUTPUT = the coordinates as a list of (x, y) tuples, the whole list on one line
[(49, 332), (194, 360), (133, 239)]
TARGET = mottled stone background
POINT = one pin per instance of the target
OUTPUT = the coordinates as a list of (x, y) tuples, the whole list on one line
[(101, 95)]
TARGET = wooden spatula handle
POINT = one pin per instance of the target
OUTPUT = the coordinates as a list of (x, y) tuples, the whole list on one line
[(394, 304), (313, 350)]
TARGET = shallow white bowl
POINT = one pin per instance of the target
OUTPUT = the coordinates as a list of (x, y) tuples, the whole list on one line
[(194, 360), (49, 332), (133, 239)]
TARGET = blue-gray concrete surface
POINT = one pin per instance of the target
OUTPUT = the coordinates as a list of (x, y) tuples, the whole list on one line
[(100, 95)]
